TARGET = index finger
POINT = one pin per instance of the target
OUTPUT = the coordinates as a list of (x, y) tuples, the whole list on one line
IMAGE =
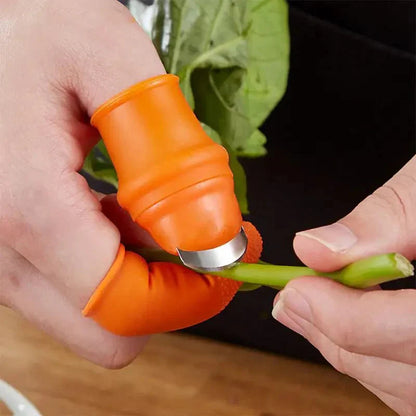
[(377, 323)]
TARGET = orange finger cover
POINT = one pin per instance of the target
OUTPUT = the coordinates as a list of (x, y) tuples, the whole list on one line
[(174, 180), (136, 298)]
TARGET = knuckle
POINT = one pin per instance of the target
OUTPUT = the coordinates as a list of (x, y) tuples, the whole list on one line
[(398, 196), (73, 191), (348, 334), (346, 338), (341, 360), (393, 202), (390, 200), (62, 151)]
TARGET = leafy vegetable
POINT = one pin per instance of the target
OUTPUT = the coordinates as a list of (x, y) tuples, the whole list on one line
[(232, 60), (240, 185), (268, 51)]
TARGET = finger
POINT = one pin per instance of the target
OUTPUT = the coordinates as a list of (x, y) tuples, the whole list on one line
[(53, 219), (398, 405), (389, 376), (131, 233), (28, 292), (58, 226), (103, 71), (139, 298), (379, 323), (384, 222)]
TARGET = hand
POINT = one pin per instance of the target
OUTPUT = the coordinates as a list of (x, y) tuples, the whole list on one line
[(64, 59), (369, 335)]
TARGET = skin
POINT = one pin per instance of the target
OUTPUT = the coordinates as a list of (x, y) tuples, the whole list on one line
[(368, 335), (56, 241)]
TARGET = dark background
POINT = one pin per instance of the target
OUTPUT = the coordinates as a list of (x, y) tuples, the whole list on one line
[(345, 126)]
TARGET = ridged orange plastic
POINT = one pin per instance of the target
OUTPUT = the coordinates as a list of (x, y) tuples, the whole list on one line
[(173, 179), (136, 298)]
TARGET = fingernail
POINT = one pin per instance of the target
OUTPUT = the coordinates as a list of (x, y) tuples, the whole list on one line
[(337, 237), (290, 300)]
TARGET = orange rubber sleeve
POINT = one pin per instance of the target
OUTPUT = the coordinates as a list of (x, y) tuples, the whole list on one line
[(173, 179), (136, 298)]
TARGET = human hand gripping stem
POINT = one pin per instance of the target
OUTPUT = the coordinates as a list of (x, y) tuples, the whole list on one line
[(369, 335), (64, 60)]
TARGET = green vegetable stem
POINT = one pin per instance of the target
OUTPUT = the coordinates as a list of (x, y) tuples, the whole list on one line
[(361, 274)]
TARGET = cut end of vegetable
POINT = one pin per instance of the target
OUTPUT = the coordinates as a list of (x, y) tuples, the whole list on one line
[(403, 265), (254, 244)]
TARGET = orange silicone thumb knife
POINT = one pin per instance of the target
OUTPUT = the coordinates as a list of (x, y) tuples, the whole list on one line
[(137, 298), (174, 180), (176, 183)]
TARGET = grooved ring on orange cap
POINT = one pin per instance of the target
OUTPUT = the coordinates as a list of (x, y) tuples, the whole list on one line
[(135, 298), (129, 92)]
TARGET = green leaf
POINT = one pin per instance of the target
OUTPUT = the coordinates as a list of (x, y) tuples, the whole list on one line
[(212, 133), (200, 33), (255, 145), (268, 58), (233, 60), (216, 105), (191, 34), (240, 181)]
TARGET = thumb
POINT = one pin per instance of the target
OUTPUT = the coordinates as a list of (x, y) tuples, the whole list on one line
[(384, 222), (115, 60)]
